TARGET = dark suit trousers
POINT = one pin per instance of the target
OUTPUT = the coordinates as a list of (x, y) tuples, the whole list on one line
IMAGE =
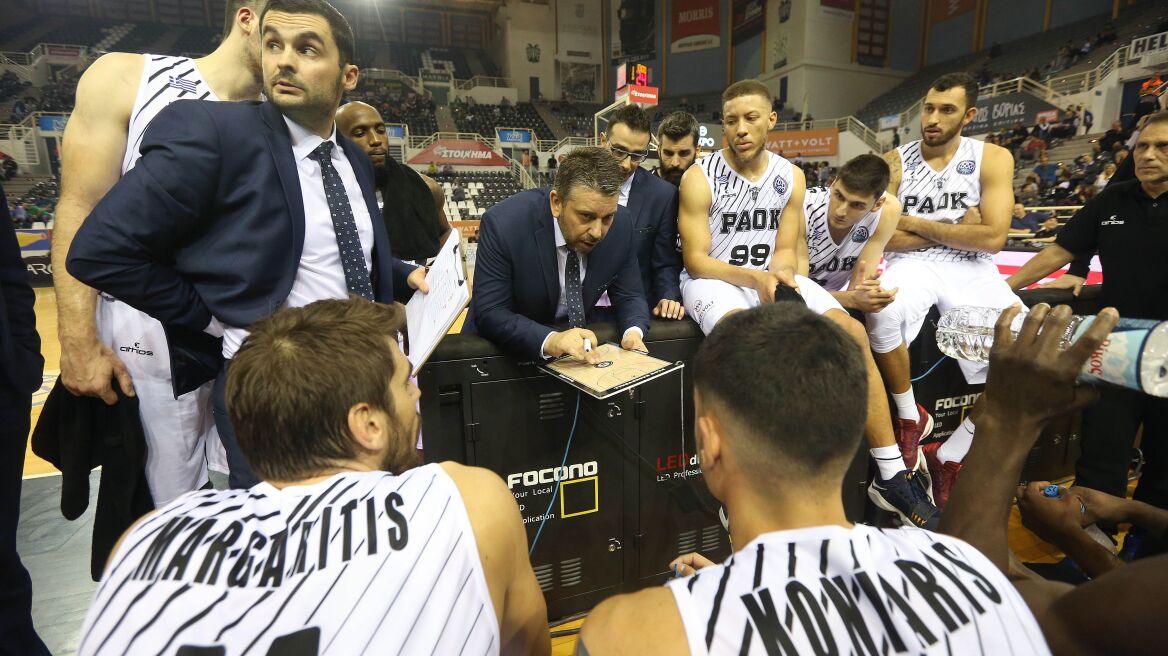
[(1109, 430), (17, 635), (241, 475)]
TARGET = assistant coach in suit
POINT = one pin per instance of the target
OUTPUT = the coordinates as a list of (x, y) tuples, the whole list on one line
[(238, 209), (546, 255), (20, 375), (652, 206)]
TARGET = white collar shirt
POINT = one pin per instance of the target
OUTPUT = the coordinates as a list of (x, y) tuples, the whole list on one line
[(320, 274)]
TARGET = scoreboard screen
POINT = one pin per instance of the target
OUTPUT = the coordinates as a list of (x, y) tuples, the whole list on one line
[(627, 74)]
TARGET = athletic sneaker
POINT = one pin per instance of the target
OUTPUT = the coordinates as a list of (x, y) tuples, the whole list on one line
[(942, 475), (902, 495), (909, 434)]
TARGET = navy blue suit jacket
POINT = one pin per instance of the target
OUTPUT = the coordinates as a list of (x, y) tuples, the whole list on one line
[(517, 283), (20, 345), (210, 222), (653, 207)]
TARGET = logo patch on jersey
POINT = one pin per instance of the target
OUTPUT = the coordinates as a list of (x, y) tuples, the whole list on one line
[(1112, 220), (754, 193), (724, 180), (966, 167), (860, 235), (780, 186), (190, 86)]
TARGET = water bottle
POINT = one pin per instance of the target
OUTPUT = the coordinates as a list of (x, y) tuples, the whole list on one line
[(1134, 355)]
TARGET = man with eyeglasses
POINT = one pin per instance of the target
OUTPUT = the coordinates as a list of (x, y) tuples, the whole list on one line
[(652, 206)]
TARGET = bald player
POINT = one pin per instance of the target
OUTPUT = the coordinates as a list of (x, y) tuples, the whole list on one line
[(103, 340), (417, 228)]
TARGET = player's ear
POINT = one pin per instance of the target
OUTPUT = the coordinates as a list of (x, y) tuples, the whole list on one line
[(969, 114), (367, 427), (556, 203), (879, 203), (772, 120)]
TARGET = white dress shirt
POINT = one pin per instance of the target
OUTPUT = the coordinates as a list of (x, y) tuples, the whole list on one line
[(561, 266), (623, 201), (320, 274)]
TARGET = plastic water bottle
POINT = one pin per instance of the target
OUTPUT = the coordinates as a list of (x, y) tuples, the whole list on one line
[(1134, 355)]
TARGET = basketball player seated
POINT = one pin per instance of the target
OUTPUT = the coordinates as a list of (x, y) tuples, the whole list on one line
[(348, 545), (774, 443), (957, 198), (740, 221)]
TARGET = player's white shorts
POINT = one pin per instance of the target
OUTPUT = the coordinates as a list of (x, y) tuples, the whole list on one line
[(708, 300), (181, 439), (923, 284)]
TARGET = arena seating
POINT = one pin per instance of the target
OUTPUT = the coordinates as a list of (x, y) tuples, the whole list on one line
[(483, 119), (483, 190), (414, 111), (575, 118)]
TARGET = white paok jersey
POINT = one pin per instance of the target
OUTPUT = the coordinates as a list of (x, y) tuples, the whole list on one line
[(828, 263), (940, 195), (744, 215), (363, 562), (165, 79), (833, 590)]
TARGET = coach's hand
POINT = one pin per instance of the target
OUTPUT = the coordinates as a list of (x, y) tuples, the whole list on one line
[(632, 342), (667, 309), (88, 368), (571, 342), (417, 280), (1066, 281)]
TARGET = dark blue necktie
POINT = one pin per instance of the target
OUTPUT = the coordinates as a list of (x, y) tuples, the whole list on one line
[(572, 296), (345, 227)]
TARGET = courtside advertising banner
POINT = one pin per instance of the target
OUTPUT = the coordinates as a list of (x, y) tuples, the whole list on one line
[(695, 25), (1007, 110), (823, 142), (459, 152)]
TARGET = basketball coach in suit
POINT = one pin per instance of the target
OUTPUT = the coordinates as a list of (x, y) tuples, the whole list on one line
[(21, 365), (238, 209), (546, 255)]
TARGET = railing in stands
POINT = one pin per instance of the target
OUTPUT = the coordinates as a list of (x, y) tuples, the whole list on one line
[(551, 145), (482, 81), (23, 137), (393, 74), (1087, 80)]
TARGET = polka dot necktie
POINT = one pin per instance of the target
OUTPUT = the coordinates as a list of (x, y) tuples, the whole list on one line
[(573, 297), (345, 227)]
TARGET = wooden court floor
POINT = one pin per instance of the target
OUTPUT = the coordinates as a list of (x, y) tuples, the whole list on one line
[(1028, 547)]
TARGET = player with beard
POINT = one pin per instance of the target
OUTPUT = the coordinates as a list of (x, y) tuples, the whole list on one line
[(677, 146), (348, 541), (417, 227), (957, 198), (741, 217), (117, 98)]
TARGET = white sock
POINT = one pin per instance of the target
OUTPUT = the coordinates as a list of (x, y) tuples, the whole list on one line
[(906, 405), (955, 448), (888, 461)]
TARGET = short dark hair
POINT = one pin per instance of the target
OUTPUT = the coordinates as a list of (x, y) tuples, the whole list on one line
[(679, 125), (747, 88), (342, 31), (632, 116), (953, 80), (590, 167), (792, 386), (292, 382), (865, 174)]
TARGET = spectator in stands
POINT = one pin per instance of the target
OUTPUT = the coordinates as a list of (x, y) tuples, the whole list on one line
[(1113, 136), (10, 167), (1015, 137), (652, 205), (551, 168), (1032, 148), (19, 215), (1024, 220), (1084, 192), (1028, 193), (1104, 177), (432, 170), (677, 146), (414, 218), (1046, 170), (577, 225), (447, 172), (776, 461), (895, 137), (1121, 154), (1088, 121), (457, 191), (823, 174), (1043, 131)]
